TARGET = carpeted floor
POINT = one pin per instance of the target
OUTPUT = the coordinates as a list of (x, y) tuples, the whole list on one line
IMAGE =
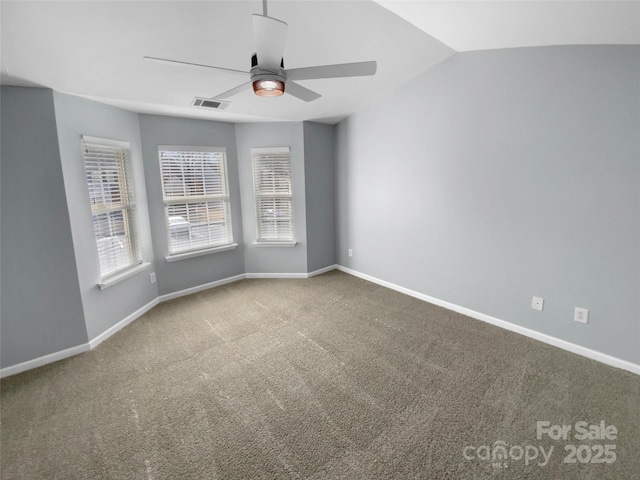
[(331, 377)]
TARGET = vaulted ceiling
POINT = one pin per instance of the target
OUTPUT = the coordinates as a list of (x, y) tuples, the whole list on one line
[(95, 48)]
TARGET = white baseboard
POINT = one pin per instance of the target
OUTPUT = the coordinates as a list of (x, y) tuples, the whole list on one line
[(45, 359), (276, 275), (224, 281), (85, 347), (320, 271), (556, 342), (200, 288), (542, 337), (122, 323)]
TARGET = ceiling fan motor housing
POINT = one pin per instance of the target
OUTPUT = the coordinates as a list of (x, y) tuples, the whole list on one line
[(266, 82), (254, 61)]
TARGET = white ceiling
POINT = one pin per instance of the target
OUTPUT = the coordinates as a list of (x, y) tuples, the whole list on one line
[(95, 48), (484, 25)]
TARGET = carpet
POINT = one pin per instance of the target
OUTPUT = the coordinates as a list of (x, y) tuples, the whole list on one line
[(331, 377)]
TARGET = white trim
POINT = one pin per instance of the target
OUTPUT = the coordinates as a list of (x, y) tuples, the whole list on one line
[(542, 337), (44, 360), (556, 342), (200, 288), (187, 148), (102, 142), (275, 244), (320, 271), (168, 157), (265, 159), (122, 323), (85, 347), (270, 151), (197, 253), (118, 277), (277, 275)]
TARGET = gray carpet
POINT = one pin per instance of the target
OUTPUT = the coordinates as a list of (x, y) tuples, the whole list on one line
[(331, 377)]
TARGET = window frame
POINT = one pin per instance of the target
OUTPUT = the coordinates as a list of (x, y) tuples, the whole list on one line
[(174, 253), (121, 151), (262, 240)]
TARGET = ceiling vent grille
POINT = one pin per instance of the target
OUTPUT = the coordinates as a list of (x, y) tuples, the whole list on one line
[(208, 103)]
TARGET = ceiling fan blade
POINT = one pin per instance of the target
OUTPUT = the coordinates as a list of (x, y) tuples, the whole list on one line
[(301, 92), (178, 63), (233, 91), (270, 35), (358, 69)]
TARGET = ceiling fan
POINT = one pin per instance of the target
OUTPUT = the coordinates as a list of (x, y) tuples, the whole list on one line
[(267, 76)]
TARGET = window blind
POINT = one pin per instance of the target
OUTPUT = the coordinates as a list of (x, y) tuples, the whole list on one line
[(195, 189), (273, 197), (110, 182)]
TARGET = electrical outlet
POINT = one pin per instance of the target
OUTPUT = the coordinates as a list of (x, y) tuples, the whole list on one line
[(152, 277), (581, 315), (537, 303), (350, 252)]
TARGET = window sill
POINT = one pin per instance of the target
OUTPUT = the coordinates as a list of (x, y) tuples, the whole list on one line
[(118, 277), (275, 244), (196, 253)]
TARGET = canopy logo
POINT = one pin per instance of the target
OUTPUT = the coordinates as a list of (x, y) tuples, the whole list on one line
[(500, 454)]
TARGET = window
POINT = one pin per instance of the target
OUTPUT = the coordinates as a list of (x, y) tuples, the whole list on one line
[(110, 180), (195, 190), (272, 187)]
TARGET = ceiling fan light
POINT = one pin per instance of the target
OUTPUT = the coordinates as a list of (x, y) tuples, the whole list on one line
[(268, 88)]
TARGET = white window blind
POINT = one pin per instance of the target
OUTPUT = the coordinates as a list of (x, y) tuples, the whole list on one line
[(195, 190), (110, 181), (272, 188)]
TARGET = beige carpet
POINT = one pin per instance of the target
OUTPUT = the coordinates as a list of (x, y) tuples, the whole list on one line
[(331, 377)]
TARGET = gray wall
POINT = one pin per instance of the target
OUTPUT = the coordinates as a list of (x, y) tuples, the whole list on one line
[(500, 175), (41, 303), (273, 259), (76, 117), (319, 140), (192, 272)]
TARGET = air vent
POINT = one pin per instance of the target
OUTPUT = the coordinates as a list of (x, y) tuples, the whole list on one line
[(208, 103)]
